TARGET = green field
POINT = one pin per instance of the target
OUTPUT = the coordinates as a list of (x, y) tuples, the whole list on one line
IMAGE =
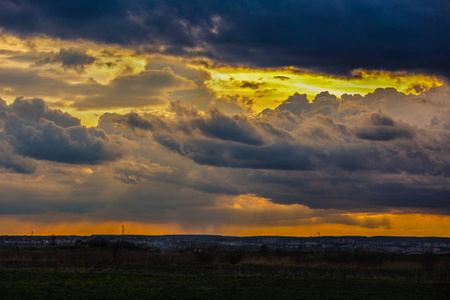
[(32, 284), (211, 274)]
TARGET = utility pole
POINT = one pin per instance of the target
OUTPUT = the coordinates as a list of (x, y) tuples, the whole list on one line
[(123, 233)]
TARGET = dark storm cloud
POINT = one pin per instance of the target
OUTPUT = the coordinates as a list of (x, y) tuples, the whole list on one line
[(134, 120), (14, 162), (34, 109), (318, 136), (299, 157), (380, 127), (233, 129), (183, 161), (48, 141), (31, 129), (214, 124), (354, 191), (205, 152), (329, 36), (69, 58), (314, 157), (298, 104)]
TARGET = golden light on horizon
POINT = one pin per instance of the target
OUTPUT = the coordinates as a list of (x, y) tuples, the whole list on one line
[(419, 225)]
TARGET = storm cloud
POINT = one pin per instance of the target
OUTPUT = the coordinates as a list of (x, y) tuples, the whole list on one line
[(31, 129), (69, 58), (324, 157), (328, 36), (321, 138)]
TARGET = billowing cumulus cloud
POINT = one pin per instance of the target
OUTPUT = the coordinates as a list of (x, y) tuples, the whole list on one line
[(321, 138), (31, 129), (12, 161), (34, 109), (380, 127), (331, 156)]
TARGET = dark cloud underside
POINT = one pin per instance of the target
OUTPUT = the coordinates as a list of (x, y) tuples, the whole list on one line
[(30, 129), (331, 153), (330, 36)]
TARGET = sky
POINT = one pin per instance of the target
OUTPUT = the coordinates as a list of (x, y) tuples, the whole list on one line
[(225, 117)]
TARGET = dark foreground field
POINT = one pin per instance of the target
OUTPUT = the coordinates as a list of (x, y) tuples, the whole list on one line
[(31, 284), (211, 274)]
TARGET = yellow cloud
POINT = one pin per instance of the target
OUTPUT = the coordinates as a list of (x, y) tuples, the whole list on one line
[(268, 87), (87, 171), (262, 88), (110, 61)]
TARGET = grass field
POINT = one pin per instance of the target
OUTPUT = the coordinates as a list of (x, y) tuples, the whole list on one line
[(32, 284), (128, 274)]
